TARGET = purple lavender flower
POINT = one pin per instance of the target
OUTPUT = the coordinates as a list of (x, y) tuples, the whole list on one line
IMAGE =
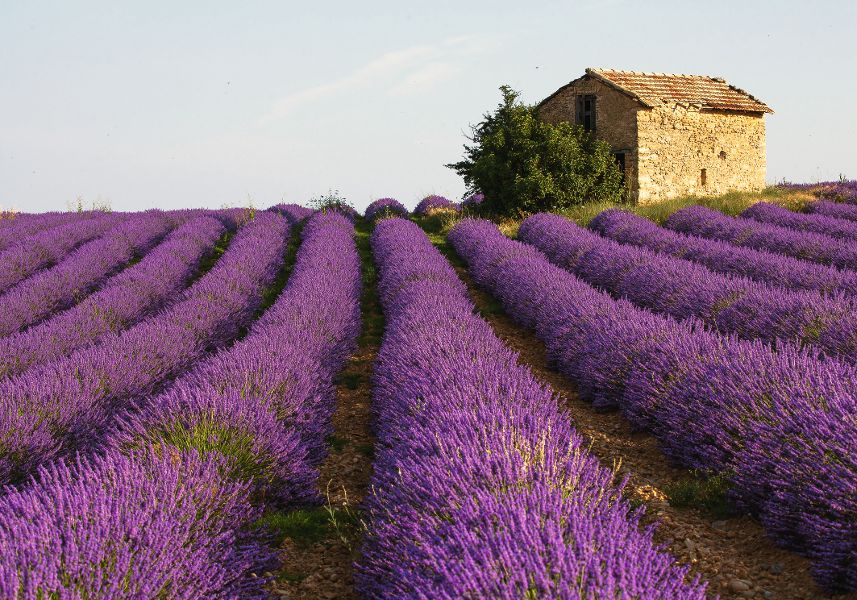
[(805, 245), (776, 269), (295, 213), (80, 272), (124, 300), (268, 400), (19, 229), (783, 217), (74, 396), (166, 505), (481, 488), (473, 200), (386, 207), (779, 424), (49, 246), (143, 526), (833, 209), (432, 203), (683, 289), (840, 191)]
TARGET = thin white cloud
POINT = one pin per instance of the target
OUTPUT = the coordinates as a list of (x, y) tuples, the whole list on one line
[(416, 68), (425, 78)]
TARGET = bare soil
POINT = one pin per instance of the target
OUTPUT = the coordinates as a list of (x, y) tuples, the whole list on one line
[(323, 569)]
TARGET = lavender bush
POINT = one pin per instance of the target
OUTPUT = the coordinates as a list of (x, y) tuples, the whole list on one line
[(80, 272), (49, 246), (481, 488), (295, 213), (17, 231), (385, 207), (124, 300), (473, 200), (434, 202), (232, 218), (815, 247), (775, 269), (684, 289), (842, 190), (145, 526), (816, 223), (833, 209), (53, 408), (267, 402), (777, 424)]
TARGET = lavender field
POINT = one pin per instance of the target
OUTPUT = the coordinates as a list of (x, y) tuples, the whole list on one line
[(300, 403)]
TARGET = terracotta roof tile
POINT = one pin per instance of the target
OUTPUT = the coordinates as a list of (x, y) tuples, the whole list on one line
[(653, 89)]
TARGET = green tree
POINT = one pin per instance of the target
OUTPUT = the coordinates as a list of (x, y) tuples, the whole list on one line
[(523, 164)]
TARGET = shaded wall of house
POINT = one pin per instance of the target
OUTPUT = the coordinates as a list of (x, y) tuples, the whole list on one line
[(615, 119), (684, 151)]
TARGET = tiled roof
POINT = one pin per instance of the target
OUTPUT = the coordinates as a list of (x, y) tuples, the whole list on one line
[(653, 89)]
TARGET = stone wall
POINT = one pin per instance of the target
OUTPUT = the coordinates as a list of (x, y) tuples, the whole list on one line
[(615, 120), (676, 143)]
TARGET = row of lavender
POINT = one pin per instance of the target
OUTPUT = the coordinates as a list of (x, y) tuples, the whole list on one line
[(833, 209), (772, 214), (32, 253), (267, 401), (685, 289), (842, 191), (779, 424), (15, 230), (390, 207), (789, 240), (80, 272), (122, 301), (481, 486), (166, 510), (52, 408), (49, 275), (723, 257), (386, 207)]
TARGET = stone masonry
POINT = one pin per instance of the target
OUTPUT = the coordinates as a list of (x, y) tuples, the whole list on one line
[(677, 135)]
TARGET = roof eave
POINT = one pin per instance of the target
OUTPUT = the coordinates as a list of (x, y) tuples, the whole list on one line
[(616, 86), (756, 111)]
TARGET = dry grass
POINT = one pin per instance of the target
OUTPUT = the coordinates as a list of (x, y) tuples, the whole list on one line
[(733, 203)]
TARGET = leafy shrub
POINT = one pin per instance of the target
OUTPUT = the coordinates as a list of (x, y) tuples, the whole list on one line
[(523, 164)]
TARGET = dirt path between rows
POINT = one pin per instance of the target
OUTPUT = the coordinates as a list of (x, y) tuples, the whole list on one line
[(323, 568), (732, 554)]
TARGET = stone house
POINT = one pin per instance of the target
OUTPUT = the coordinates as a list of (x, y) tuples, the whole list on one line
[(673, 135)]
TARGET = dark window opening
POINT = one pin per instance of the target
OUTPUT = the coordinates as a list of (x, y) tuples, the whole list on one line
[(703, 177), (723, 155), (586, 112), (620, 162)]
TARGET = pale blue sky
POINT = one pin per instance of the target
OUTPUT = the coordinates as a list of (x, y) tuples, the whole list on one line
[(175, 104)]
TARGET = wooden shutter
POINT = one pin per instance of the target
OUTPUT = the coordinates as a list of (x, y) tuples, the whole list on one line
[(592, 115)]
